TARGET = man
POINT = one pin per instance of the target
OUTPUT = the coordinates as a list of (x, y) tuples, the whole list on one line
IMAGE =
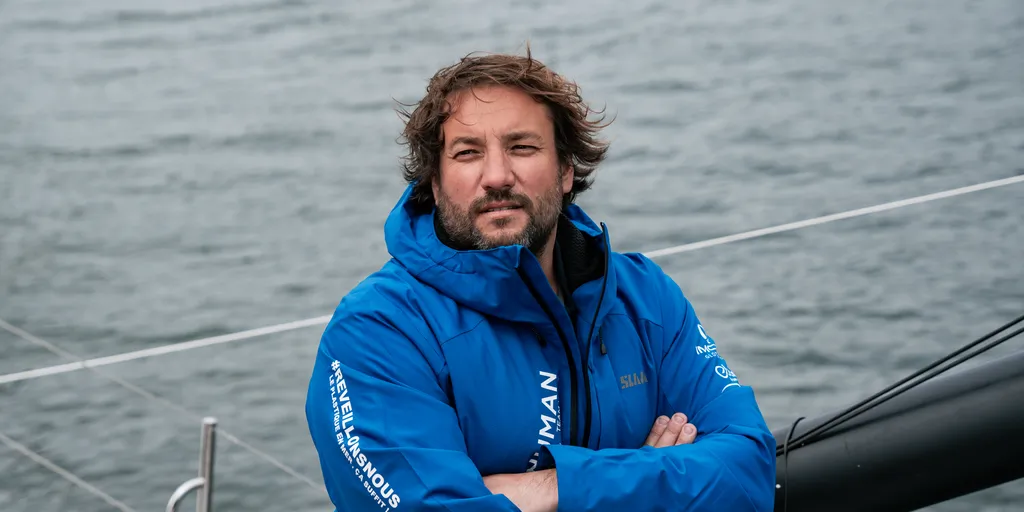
[(505, 358)]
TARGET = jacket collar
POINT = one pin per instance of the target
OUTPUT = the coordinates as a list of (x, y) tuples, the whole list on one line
[(489, 280)]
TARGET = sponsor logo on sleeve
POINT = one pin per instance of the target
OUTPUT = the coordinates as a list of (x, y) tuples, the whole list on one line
[(724, 372), (710, 351), (375, 483)]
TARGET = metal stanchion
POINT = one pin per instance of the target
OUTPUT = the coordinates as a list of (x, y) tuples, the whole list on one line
[(202, 484), (204, 500)]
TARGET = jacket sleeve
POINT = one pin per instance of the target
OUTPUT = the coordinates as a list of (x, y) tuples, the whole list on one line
[(385, 434), (730, 465)]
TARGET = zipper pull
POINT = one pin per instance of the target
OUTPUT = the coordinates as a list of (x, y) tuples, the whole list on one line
[(600, 337), (536, 333)]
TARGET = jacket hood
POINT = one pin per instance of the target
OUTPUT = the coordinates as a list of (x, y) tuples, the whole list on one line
[(490, 280)]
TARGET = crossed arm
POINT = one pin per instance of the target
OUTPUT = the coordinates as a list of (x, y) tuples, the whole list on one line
[(538, 491)]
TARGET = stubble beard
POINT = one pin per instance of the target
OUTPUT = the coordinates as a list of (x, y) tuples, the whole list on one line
[(542, 214)]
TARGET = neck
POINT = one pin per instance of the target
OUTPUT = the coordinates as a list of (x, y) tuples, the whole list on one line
[(547, 263)]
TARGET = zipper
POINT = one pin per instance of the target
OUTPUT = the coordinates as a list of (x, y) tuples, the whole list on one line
[(590, 335)]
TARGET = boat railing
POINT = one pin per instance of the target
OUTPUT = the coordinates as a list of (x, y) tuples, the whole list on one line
[(202, 484)]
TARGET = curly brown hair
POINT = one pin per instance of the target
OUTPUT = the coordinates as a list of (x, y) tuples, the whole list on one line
[(576, 139)]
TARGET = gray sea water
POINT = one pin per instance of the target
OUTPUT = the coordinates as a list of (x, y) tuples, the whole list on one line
[(176, 170)]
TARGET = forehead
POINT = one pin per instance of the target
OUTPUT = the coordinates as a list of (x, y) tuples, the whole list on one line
[(495, 110)]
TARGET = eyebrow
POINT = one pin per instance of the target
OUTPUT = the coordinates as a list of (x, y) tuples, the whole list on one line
[(522, 135), (517, 136), (469, 140)]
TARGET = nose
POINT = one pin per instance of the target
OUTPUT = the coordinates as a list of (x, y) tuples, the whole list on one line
[(497, 171)]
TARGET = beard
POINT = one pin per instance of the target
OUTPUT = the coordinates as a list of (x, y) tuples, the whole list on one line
[(542, 214)]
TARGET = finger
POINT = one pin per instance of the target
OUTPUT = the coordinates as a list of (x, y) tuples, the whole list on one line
[(687, 434), (672, 431), (657, 430)]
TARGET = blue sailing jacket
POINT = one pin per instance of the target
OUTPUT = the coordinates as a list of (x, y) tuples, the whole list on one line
[(448, 365)]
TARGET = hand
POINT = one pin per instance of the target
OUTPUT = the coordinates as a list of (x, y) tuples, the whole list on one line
[(671, 432), (536, 491)]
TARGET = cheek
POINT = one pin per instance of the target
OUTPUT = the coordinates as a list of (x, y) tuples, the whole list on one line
[(540, 177), (458, 188)]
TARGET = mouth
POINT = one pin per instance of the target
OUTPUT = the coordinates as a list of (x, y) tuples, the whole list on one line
[(500, 207)]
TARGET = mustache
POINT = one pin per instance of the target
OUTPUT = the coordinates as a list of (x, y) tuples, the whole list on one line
[(501, 195)]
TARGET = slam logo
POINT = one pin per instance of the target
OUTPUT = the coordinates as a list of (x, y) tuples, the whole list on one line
[(633, 379)]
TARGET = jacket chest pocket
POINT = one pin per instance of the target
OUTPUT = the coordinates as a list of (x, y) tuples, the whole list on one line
[(507, 397), (627, 384)]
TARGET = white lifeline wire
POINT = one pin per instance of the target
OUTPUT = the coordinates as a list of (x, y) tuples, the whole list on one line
[(321, 320), (167, 403), (834, 217), (81, 364), (67, 475)]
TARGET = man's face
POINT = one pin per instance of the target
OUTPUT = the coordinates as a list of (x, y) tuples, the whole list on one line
[(500, 181)]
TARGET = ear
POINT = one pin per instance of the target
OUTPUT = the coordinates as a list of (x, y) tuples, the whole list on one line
[(568, 173), (435, 186)]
